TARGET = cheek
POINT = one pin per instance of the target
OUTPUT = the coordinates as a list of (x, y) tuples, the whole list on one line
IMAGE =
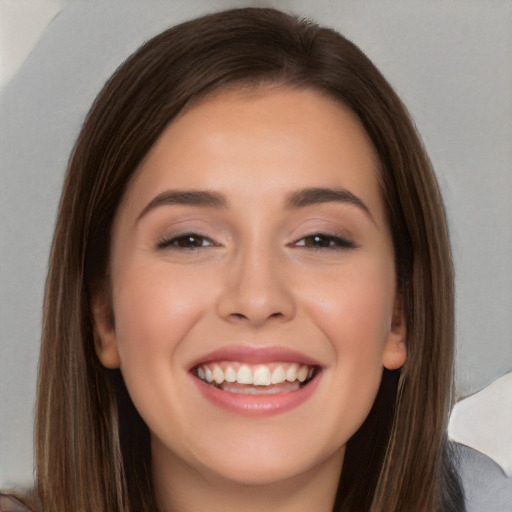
[(154, 308), (354, 308)]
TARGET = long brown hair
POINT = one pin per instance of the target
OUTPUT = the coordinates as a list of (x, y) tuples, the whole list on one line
[(92, 448)]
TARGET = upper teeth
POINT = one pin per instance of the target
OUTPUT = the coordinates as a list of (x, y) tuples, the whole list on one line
[(257, 375)]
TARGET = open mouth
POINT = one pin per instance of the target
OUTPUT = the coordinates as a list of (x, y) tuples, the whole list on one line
[(257, 379)]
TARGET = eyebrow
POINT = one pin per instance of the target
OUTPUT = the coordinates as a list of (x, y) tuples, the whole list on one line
[(311, 196), (299, 199), (186, 197)]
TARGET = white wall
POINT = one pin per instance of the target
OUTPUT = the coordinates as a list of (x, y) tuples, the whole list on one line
[(451, 62)]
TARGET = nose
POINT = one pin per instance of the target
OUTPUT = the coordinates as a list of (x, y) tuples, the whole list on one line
[(256, 289)]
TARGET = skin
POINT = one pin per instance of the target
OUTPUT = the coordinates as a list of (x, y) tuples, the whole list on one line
[(258, 278)]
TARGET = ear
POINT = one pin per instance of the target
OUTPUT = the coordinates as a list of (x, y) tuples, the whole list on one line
[(105, 342), (395, 349)]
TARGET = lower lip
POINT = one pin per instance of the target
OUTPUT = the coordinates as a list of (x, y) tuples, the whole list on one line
[(257, 405)]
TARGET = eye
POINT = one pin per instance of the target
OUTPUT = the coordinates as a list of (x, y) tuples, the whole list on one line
[(186, 241), (325, 241)]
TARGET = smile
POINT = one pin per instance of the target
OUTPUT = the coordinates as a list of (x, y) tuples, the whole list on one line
[(255, 379)]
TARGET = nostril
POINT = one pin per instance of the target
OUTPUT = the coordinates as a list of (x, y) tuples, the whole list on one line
[(241, 316)]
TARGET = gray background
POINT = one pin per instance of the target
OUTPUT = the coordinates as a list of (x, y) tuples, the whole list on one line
[(450, 61)]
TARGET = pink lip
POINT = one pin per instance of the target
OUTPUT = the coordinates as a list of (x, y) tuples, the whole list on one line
[(257, 405), (255, 355)]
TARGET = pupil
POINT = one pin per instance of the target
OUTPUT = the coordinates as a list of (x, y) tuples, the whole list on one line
[(190, 241), (319, 241)]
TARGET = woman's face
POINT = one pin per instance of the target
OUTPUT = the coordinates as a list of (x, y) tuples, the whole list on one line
[(252, 246)]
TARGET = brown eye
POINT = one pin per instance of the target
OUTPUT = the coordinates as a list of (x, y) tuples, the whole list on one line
[(185, 241), (325, 241)]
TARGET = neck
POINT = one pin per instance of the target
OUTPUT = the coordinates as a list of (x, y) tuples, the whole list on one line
[(182, 488)]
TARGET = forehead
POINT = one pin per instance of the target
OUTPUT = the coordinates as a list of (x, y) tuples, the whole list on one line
[(261, 137)]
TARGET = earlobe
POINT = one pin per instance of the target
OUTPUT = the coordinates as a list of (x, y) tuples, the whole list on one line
[(395, 350), (105, 342)]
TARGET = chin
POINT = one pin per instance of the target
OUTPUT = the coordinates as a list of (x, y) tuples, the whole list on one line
[(255, 461)]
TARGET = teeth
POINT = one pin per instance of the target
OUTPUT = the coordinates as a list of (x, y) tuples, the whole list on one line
[(262, 390), (218, 375), (291, 373), (230, 374), (260, 375), (278, 376), (302, 373), (244, 375)]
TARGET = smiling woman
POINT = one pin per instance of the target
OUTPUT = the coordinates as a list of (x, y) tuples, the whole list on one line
[(250, 298), (233, 303)]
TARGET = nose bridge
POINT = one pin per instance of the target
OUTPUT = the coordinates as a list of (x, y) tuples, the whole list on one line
[(256, 289)]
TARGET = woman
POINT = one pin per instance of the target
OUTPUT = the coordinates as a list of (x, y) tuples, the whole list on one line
[(248, 196)]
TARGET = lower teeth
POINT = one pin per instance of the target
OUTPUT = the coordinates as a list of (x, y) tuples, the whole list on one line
[(260, 390)]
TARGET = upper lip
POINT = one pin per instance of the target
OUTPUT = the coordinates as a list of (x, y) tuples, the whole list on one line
[(255, 355)]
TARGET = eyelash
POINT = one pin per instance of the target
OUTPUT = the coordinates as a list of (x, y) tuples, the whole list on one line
[(194, 241)]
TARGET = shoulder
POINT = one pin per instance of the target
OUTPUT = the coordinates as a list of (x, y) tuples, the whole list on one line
[(486, 486), (10, 503)]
